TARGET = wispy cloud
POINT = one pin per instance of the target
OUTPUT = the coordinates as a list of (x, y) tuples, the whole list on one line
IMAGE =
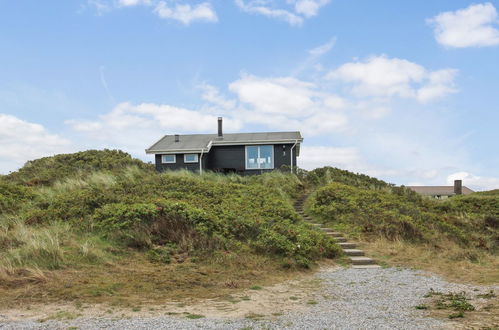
[(323, 49), (186, 13), (131, 3), (313, 58), (294, 12), (105, 85)]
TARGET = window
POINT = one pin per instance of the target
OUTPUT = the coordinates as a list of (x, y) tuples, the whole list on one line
[(259, 157), (190, 158), (168, 159)]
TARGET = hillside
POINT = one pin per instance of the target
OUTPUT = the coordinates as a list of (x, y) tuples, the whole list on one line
[(65, 217), (407, 229), (100, 226), (47, 170)]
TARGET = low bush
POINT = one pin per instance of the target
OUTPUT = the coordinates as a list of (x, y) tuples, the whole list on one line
[(325, 175), (109, 201), (396, 213), (13, 196), (47, 170), (374, 212)]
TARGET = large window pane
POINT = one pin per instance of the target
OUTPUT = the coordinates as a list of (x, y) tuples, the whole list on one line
[(265, 159), (252, 157), (259, 157)]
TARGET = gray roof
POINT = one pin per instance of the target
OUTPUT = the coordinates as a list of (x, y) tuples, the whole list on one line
[(203, 142), (438, 190)]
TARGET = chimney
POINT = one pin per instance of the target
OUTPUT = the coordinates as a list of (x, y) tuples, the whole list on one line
[(177, 138), (220, 132), (458, 187)]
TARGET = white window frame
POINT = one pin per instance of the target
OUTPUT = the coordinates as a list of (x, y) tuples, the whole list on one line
[(166, 162), (258, 146), (191, 161)]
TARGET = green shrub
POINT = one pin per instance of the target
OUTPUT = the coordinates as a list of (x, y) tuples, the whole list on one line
[(107, 194), (13, 196), (325, 175), (386, 213), (162, 254), (47, 170)]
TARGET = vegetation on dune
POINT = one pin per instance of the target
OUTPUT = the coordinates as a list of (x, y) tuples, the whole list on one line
[(115, 208), (47, 170), (462, 228), (325, 175), (114, 227)]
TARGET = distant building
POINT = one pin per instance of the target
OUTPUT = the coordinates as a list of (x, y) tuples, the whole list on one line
[(442, 192), (242, 153)]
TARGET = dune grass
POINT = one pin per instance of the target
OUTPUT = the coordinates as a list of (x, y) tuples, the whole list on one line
[(98, 225), (457, 238)]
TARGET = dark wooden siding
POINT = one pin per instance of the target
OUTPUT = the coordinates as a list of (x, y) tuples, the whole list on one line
[(179, 164), (230, 159), (233, 158)]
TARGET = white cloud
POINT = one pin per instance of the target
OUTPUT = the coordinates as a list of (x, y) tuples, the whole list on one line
[(101, 6), (131, 3), (211, 94), (380, 76), (323, 49), (187, 13), (22, 141), (294, 11), (474, 181), (263, 8), (289, 103), (275, 95), (309, 8), (133, 126), (474, 26), (179, 10), (314, 55), (319, 156)]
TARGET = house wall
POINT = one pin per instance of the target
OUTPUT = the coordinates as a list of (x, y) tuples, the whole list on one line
[(232, 158), (160, 167), (229, 159)]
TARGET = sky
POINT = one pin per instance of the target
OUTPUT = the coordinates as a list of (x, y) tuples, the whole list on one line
[(406, 91)]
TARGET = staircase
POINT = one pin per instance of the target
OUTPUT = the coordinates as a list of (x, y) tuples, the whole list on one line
[(357, 257)]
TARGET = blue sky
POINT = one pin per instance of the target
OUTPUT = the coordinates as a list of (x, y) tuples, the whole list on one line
[(403, 90)]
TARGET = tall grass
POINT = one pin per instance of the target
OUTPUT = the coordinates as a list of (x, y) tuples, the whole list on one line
[(26, 251), (92, 214)]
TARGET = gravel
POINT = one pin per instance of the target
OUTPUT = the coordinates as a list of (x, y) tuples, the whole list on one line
[(350, 299)]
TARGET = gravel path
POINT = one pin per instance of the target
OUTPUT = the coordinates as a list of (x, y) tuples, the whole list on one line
[(349, 299)]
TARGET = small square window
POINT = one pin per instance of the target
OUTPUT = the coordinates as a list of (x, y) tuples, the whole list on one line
[(168, 159), (190, 158)]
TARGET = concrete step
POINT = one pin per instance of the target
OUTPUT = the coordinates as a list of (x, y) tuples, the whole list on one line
[(340, 239), (353, 252), (316, 224), (327, 229), (345, 245), (362, 261), (366, 266)]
